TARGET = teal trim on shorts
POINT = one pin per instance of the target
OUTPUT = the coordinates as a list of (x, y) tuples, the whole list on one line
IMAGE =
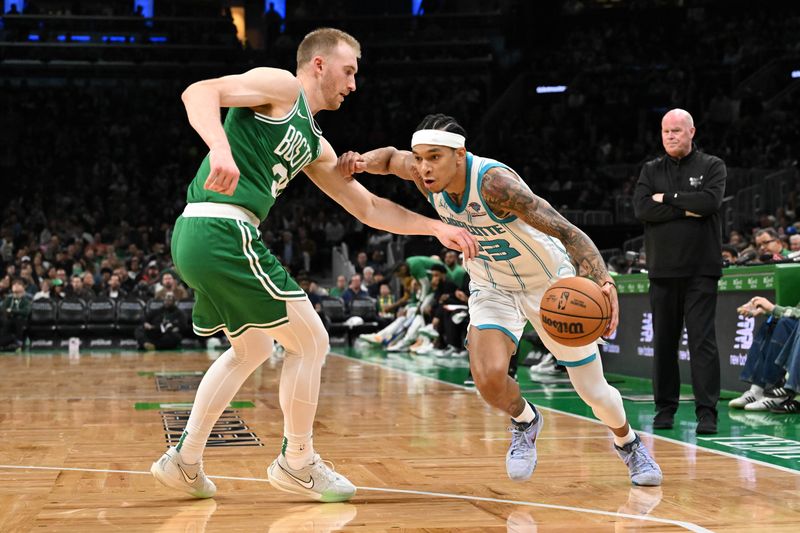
[(500, 328), (584, 361)]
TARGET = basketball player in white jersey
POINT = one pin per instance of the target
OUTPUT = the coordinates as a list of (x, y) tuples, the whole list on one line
[(525, 246)]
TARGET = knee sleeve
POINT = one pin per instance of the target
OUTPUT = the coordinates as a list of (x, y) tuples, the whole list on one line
[(605, 400)]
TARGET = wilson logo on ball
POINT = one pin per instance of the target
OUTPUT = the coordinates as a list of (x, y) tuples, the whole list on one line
[(574, 311), (563, 327)]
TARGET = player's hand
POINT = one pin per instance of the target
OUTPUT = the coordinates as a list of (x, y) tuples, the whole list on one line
[(350, 163), (224, 174), (456, 239), (610, 290)]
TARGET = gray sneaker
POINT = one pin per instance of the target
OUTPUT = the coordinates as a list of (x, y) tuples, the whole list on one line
[(643, 469), (521, 456), (316, 480), (171, 471)]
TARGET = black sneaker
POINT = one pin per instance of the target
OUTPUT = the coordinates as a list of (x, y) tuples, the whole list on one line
[(663, 421), (788, 406), (707, 424)]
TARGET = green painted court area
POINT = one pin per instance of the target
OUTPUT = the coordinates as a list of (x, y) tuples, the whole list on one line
[(145, 406), (760, 436)]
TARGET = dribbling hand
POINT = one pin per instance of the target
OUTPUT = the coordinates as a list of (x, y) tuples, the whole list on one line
[(224, 174), (610, 290), (350, 163)]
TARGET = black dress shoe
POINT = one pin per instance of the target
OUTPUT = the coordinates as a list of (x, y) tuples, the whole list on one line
[(663, 421), (707, 424)]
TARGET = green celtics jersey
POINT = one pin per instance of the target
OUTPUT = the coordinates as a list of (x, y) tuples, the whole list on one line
[(269, 152)]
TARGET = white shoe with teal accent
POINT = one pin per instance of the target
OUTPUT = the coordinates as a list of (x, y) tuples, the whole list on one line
[(171, 471), (521, 457), (643, 469), (316, 480)]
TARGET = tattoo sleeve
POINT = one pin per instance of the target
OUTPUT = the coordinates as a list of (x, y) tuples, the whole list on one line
[(505, 193)]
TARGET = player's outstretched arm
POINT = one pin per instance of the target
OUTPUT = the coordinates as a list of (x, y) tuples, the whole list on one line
[(507, 194), (257, 87), (381, 213), (387, 160)]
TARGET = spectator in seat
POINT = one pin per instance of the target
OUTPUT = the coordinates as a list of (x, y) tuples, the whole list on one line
[(114, 288), (341, 286), (45, 290), (387, 306), (89, 282), (354, 290), (57, 288), (169, 284), (770, 246), (361, 262), (729, 255), (773, 361), (794, 243), (163, 328), (14, 319), (76, 289)]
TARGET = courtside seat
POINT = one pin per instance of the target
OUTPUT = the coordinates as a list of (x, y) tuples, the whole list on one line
[(102, 315), (367, 309), (130, 315), (42, 320), (71, 321)]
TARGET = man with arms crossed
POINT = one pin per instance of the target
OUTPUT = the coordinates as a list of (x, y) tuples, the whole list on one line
[(240, 288), (524, 247)]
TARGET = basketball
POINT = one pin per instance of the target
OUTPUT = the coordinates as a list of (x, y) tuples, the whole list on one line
[(574, 311)]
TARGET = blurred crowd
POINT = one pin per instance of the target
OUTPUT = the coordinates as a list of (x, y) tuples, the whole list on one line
[(99, 166)]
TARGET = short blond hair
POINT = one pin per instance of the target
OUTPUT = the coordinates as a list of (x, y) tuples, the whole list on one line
[(321, 41)]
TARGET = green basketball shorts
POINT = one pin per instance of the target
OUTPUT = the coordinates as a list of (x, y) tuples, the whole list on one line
[(238, 283)]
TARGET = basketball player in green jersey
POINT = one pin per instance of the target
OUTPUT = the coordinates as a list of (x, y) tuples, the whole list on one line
[(525, 246), (268, 137)]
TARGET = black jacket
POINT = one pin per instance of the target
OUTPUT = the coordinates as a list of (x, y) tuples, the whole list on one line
[(678, 245)]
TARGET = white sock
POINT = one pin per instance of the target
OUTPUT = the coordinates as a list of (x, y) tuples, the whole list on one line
[(527, 415), (627, 439), (218, 387), (755, 389), (306, 343), (299, 451)]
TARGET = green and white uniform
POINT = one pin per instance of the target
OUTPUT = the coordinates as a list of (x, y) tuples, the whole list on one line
[(216, 244)]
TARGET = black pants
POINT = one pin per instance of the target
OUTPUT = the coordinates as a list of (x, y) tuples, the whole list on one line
[(693, 301), (163, 341)]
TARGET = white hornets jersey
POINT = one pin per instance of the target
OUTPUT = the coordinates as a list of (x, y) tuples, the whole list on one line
[(512, 255)]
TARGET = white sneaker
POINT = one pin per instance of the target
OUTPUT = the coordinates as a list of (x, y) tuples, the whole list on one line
[(423, 347), (371, 338), (315, 480), (399, 346), (445, 352), (171, 471), (429, 331), (748, 397), (765, 403), (547, 360)]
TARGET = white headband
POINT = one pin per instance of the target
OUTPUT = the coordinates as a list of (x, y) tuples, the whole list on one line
[(438, 137)]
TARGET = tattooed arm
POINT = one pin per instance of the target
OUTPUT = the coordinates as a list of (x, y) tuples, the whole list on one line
[(387, 160), (506, 194)]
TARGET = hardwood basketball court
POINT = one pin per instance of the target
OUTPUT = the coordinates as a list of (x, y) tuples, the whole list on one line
[(79, 435)]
